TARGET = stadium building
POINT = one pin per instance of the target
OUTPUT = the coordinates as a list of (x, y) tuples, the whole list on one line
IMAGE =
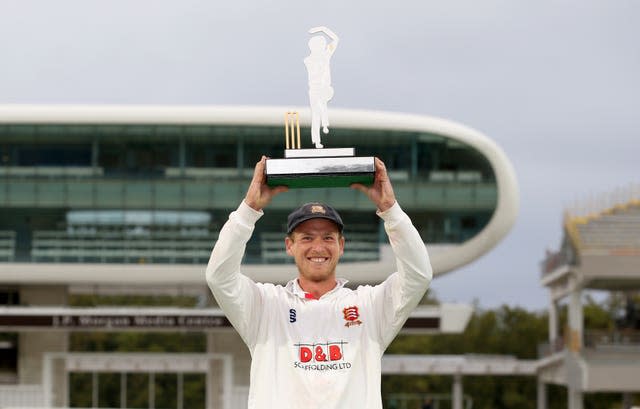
[(127, 201), (600, 250)]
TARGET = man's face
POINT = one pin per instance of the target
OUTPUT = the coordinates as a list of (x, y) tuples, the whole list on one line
[(316, 245)]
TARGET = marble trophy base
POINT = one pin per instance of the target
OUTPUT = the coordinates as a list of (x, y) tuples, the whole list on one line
[(330, 167)]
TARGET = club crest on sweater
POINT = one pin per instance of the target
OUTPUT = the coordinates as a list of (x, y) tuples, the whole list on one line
[(351, 315)]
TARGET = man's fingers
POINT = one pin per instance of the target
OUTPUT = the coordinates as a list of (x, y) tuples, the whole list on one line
[(279, 189), (359, 186), (258, 172), (381, 170)]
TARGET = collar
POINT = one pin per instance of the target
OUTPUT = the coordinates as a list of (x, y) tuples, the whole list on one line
[(294, 288)]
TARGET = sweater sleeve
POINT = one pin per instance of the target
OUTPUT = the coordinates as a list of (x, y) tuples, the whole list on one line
[(399, 294), (239, 297)]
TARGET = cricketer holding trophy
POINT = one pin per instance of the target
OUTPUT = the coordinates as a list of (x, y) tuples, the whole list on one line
[(315, 343)]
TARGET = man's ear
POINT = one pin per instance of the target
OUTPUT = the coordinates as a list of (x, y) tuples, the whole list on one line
[(288, 242), (341, 244)]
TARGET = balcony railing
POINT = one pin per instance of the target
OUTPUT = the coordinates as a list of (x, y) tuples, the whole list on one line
[(617, 339), (84, 190)]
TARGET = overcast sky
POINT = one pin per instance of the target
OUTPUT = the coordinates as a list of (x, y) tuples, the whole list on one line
[(555, 83)]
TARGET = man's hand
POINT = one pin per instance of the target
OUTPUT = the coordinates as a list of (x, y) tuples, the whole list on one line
[(381, 191), (259, 193)]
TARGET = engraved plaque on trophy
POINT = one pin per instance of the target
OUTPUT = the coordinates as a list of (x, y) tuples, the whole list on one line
[(318, 166)]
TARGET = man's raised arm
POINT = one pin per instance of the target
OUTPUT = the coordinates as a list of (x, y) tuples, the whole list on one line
[(237, 295), (397, 296)]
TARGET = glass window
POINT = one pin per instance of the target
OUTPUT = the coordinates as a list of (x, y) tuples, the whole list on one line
[(9, 352), (142, 159), (53, 155), (211, 155), (9, 297)]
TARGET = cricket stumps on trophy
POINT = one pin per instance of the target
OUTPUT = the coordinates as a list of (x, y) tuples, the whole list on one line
[(317, 167)]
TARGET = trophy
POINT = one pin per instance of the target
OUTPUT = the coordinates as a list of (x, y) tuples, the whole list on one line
[(318, 166)]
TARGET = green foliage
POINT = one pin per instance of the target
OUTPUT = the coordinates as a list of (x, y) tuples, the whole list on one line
[(80, 388), (506, 330), (597, 316), (137, 342), (138, 390), (9, 336)]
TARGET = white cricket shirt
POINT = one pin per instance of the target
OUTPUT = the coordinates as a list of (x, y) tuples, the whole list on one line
[(317, 354)]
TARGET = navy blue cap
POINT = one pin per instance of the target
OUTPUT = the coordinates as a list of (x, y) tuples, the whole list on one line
[(310, 211)]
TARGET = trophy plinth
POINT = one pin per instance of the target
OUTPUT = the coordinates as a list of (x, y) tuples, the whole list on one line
[(320, 171)]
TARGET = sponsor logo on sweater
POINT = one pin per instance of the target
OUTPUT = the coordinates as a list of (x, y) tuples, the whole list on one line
[(325, 356), (351, 315)]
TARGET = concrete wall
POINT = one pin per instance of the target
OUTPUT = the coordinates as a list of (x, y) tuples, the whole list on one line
[(33, 345), (229, 342), (612, 371), (614, 266), (555, 373)]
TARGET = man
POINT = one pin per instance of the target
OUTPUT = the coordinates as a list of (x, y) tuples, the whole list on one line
[(315, 343)]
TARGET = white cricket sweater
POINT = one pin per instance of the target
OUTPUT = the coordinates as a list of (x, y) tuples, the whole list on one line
[(317, 354)]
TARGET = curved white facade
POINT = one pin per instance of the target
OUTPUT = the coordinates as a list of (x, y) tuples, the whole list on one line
[(444, 259)]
